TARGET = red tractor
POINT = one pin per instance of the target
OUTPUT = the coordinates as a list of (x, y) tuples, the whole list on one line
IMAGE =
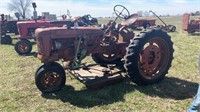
[(145, 23), (190, 26), (145, 58), (27, 31)]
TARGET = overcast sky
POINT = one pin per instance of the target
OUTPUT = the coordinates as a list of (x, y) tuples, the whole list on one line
[(104, 8)]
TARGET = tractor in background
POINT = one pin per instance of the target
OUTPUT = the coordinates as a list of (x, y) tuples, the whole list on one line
[(191, 26), (168, 28), (27, 29), (7, 26)]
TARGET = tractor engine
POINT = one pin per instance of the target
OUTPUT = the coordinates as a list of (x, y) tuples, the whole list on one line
[(74, 44)]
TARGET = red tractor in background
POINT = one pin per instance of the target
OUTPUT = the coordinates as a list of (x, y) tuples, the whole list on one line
[(145, 58), (145, 23), (27, 29), (190, 26)]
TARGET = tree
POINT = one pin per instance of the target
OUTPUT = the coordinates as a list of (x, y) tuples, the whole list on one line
[(20, 6)]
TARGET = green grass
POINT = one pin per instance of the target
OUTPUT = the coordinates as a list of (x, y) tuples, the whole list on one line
[(174, 93)]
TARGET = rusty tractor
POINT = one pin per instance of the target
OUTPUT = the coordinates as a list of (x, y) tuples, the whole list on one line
[(145, 58), (7, 26), (168, 28), (190, 26)]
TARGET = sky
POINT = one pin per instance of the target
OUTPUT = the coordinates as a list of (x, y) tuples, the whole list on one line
[(104, 8)]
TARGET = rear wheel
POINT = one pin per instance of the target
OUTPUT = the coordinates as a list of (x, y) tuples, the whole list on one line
[(50, 78), (149, 57), (23, 47)]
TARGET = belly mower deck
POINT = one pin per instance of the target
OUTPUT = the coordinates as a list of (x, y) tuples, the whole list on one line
[(95, 76)]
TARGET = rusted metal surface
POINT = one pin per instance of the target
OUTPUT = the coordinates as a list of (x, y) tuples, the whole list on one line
[(27, 28), (130, 20), (152, 56), (190, 26), (145, 22), (185, 21)]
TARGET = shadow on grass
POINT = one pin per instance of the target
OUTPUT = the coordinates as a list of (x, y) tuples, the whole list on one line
[(32, 43), (170, 88), (34, 54), (194, 34)]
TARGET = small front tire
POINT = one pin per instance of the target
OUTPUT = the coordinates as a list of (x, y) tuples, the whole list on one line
[(50, 78), (23, 47)]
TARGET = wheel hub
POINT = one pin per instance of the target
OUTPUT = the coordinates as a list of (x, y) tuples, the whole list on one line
[(51, 79), (150, 58), (23, 47)]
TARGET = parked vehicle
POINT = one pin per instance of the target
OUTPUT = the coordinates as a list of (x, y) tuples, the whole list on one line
[(145, 58), (27, 29), (190, 26), (7, 26), (27, 32), (145, 23), (168, 28)]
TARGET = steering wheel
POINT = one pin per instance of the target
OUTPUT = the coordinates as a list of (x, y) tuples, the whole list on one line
[(121, 11)]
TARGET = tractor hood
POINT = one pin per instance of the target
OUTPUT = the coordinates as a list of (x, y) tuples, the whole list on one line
[(64, 32)]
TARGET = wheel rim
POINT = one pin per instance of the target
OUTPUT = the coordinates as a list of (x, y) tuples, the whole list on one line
[(153, 58), (23, 47), (51, 80)]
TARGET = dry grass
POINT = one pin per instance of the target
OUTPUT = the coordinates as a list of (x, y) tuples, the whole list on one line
[(174, 93)]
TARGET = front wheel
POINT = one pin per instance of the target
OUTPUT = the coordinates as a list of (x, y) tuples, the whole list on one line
[(23, 47), (149, 57), (50, 78), (172, 28), (6, 40)]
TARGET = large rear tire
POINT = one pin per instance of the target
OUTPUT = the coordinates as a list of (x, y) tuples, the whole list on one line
[(50, 78), (149, 57)]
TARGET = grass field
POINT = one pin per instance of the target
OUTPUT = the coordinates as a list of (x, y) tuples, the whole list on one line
[(173, 94)]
